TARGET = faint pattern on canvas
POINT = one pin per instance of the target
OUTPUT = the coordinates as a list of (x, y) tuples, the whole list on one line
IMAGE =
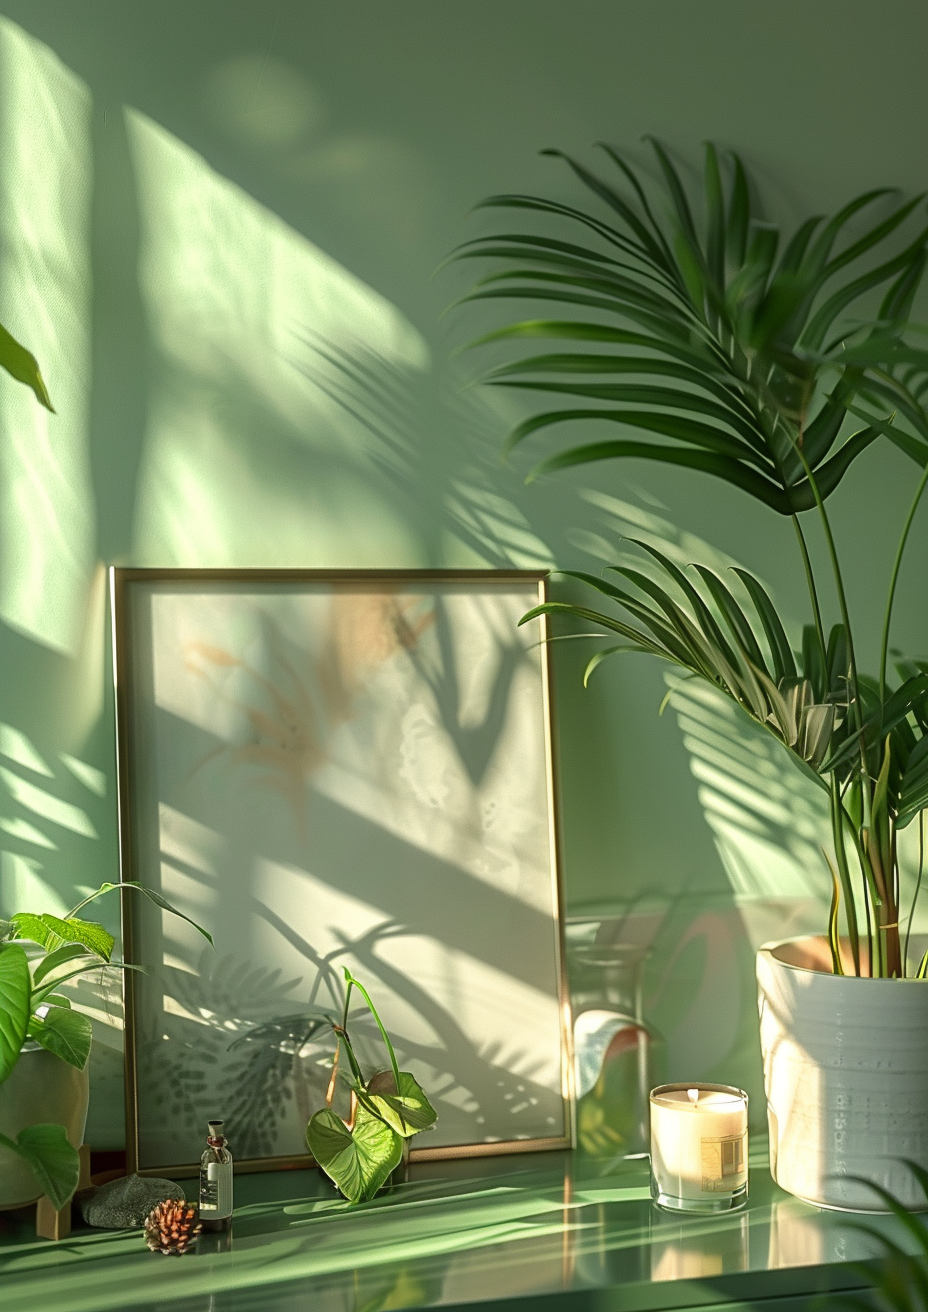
[(340, 778)]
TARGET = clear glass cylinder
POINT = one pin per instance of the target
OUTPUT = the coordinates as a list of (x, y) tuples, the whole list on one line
[(611, 1048)]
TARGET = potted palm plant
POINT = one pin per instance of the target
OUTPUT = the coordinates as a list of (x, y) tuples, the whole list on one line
[(718, 349)]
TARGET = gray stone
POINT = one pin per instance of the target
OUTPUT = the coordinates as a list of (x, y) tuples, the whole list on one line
[(124, 1204)]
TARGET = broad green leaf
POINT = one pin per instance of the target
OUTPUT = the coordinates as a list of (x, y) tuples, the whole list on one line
[(51, 932), (359, 1161), (60, 957), (407, 1112), (15, 997), (64, 1032), (44, 991), (23, 366), (54, 1162)]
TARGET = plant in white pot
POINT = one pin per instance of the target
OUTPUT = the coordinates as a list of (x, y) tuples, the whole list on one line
[(731, 357), (45, 1044)]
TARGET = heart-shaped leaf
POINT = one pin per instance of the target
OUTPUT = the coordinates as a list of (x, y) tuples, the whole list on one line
[(407, 1112), (15, 989), (55, 1163), (359, 1161), (64, 1032)]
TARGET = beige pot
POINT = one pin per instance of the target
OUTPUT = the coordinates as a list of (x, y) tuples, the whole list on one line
[(846, 1077), (42, 1090)]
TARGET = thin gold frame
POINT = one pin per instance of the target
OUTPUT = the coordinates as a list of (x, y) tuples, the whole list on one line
[(121, 579)]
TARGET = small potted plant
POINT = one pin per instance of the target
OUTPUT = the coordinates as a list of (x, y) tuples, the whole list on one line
[(45, 1044), (708, 347), (387, 1109)]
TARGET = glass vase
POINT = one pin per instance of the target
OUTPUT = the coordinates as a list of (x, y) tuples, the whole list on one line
[(612, 1056)]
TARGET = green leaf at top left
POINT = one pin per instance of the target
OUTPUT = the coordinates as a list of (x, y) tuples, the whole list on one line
[(15, 991), (51, 932), (23, 366), (360, 1160)]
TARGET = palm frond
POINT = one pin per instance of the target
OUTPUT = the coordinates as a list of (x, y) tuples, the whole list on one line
[(734, 330)]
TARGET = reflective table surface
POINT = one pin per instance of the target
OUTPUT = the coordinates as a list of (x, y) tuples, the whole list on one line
[(553, 1229)]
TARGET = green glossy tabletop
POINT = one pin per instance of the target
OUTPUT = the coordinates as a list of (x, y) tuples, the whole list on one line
[(551, 1228)]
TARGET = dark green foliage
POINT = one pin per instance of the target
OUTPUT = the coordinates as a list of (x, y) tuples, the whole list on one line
[(727, 353)]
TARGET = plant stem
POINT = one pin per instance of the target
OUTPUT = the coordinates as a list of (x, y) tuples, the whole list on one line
[(810, 581), (844, 872), (918, 884), (383, 1033), (894, 578)]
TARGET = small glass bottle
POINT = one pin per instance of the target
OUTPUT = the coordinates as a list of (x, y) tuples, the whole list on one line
[(216, 1181)]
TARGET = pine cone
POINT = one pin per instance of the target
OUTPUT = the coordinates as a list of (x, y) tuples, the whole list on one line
[(171, 1227)]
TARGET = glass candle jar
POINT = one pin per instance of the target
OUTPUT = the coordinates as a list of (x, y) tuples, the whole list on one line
[(699, 1147)]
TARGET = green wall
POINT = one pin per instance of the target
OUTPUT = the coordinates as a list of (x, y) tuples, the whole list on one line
[(199, 197)]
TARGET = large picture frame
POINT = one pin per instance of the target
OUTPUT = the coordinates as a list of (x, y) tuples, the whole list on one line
[(331, 768)]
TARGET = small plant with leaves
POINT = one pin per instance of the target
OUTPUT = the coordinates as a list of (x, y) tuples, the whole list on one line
[(388, 1108), (39, 953), (713, 350)]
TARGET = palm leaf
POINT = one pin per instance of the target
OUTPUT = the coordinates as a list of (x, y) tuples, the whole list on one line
[(708, 297)]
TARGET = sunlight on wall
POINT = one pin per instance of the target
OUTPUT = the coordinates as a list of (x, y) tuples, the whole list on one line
[(768, 820), (46, 520), (247, 460)]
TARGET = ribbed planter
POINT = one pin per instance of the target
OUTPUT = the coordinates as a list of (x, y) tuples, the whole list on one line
[(846, 1077), (42, 1090)]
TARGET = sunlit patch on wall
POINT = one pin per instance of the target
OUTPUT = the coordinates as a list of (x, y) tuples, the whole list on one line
[(88, 775), (24, 887), (46, 507), (240, 436), (45, 804), (17, 747)]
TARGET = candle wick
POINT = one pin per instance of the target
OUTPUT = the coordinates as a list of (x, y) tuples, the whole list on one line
[(693, 1095)]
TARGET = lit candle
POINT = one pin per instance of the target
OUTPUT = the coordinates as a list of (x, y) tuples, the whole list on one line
[(699, 1147)]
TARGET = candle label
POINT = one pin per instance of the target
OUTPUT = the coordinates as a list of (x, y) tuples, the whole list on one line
[(723, 1164)]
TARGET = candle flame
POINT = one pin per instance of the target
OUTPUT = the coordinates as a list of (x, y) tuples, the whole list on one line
[(693, 1095)]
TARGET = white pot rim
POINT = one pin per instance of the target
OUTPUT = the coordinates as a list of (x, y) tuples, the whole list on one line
[(770, 950)]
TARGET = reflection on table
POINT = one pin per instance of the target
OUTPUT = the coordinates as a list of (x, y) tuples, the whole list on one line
[(457, 1233)]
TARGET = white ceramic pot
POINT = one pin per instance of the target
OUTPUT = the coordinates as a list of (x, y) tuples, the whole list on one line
[(42, 1090), (846, 1076)]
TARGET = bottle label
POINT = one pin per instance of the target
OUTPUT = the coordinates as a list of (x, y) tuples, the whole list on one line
[(216, 1191), (723, 1164)]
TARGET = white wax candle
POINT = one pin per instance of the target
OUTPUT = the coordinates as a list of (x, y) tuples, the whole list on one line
[(699, 1140)]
